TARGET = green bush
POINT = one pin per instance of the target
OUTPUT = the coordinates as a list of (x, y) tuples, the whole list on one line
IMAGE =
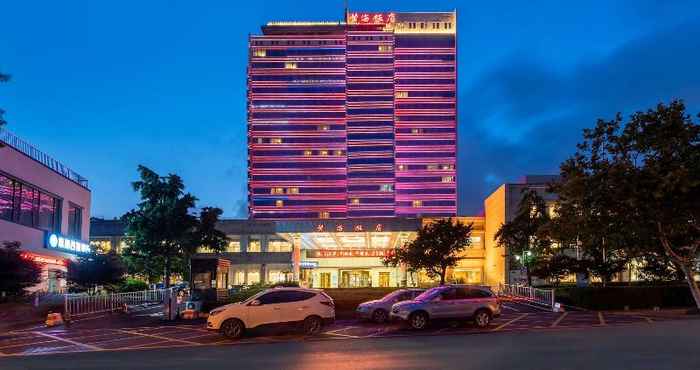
[(133, 285), (617, 297)]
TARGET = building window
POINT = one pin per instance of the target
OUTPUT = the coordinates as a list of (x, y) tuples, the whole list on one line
[(275, 140), (401, 167), (75, 219), (385, 48), (417, 203), (355, 201), (386, 187), (307, 153), (416, 130), (431, 167), (324, 128), (290, 65), (401, 94), (448, 167), (254, 246), (260, 53), (292, 190), (279, 203), (338, 152), (276, 190), (324, 214), (448, 179), (234, 246), (279, 246), (47, 212), (27, 205), (323, 152)]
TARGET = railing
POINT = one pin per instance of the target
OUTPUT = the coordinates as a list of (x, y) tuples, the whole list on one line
[(32, 152), (543, 297), (83, 304)]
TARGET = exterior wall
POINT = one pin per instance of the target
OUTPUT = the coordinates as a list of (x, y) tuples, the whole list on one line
[(495, 215), (20, 167)]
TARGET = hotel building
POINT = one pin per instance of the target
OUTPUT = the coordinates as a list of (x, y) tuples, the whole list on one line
[(45, 206), (353, 119)]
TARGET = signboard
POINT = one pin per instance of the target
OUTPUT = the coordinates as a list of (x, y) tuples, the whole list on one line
[(371, 18), (43, 259), (308, 264), (345, 253), (63, 244)]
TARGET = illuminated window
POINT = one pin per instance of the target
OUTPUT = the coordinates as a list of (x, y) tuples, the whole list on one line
[(290, 65), (417, 203), (355, 201), (448, 179), (279, 203), (402, 94), (401, 167), (260, 140), (324, 214), (293, 191), (386, 187), (431, 167), (276, 190), (385, 48), (323, 152), (422, 24), (338, 152), (416, 130), (279, 246), (448, 166), (234, 246), (324, 128), (260, 53), (254, 245), (275, 140), (307, 153)]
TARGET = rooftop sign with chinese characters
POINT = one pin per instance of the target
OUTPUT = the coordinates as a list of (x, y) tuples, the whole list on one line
[(64, 244), (371, 18)]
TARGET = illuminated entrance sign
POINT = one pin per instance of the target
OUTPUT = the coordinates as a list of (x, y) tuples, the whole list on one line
[(308, 264), (341, 253), (54, 241), (43, 259)]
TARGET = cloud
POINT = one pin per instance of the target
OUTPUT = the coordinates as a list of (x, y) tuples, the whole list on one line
[(523, 116)]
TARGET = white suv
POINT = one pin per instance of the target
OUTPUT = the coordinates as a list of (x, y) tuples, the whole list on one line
[(309, 308)]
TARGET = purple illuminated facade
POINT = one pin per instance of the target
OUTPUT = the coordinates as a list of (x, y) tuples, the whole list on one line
[(353, 119)]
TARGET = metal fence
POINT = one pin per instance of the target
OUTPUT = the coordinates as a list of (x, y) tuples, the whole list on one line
[(32, 152), (543, 297), (84, 304)]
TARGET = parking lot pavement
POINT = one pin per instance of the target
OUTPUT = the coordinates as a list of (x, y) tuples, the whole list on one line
[(515, 316)]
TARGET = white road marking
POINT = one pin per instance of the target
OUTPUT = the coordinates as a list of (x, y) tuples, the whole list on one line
[(601, 318), (510, 308), (157, 337), (94, 348), (341, 329), (558, 320)]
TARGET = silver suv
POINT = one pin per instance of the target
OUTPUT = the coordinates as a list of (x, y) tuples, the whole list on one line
[(449, 302), (378, 310)]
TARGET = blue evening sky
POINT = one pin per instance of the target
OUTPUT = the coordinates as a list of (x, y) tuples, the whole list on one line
[(106, 85)]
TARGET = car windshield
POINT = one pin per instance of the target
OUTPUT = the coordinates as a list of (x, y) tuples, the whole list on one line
[(430, 294)]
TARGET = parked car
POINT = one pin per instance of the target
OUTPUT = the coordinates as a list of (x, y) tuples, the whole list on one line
[(378, 310), (449, 302), (308, 309)]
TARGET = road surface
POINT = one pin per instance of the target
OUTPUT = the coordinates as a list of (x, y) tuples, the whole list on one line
[(664, 345)]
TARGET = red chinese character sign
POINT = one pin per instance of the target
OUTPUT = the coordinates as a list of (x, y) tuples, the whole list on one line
[(344, 253), (371, 18)]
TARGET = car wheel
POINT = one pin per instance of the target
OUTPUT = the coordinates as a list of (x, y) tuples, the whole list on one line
[(232, 328), (419, 320), (380, 316), (312, 325), (482, 318)]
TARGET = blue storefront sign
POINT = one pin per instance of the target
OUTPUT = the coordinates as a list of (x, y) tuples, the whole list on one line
[(65, 244)]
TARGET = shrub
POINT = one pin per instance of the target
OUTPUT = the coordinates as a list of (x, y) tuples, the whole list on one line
[(133, 285)]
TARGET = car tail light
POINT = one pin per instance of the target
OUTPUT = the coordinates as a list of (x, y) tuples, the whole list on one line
[(328, 303)]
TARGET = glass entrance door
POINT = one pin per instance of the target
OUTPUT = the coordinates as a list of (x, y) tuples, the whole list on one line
[(325, 278), (355, 279), (383, 279)]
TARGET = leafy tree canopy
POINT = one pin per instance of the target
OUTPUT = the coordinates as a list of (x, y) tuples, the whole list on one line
[(16, 272), (95, 269)]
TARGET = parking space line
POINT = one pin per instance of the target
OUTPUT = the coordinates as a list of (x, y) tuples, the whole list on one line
[(27, 344), (510, 308), (509, 322), (601, 319), (157, 337), (94, 348), (558, 320), (341, 329), (342, 335)]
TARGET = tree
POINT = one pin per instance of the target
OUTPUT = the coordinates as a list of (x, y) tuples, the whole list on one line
[(3, 78), (89, 271), (164, 231), (436, 248), (634, 189), (522, 236), (16, 272)]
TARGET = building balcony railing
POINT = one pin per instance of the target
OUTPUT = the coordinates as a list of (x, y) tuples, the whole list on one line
[(32, 152)]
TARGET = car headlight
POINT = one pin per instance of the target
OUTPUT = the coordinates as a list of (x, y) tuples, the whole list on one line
[(215, 312)]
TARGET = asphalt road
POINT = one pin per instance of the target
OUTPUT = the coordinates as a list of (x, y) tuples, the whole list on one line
[(665, 345)]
